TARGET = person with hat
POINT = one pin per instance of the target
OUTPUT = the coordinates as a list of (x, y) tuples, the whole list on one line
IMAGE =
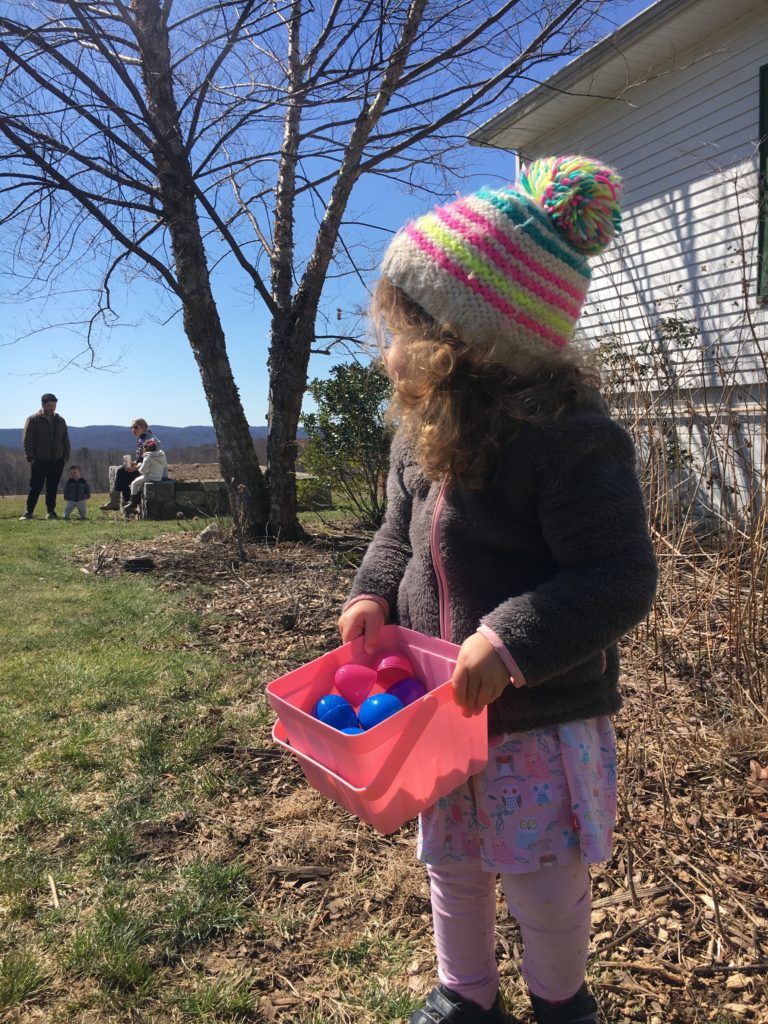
[(516, 528), (153, 468), (46, 445)]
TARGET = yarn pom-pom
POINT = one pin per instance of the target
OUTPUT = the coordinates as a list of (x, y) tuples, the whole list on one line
[(580, 195)]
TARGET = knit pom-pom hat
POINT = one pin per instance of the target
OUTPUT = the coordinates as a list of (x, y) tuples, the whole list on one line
[(507, 269)]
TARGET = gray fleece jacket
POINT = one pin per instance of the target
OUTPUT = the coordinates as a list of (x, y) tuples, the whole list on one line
[(553, 556)]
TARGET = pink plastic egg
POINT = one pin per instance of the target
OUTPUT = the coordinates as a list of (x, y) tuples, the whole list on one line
[(354, 682), (392, 668)]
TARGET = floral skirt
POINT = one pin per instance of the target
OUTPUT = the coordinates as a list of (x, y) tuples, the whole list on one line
[(546, 797)]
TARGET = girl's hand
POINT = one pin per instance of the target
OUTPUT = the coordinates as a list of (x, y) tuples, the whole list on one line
[(480, 676), (364, 618)]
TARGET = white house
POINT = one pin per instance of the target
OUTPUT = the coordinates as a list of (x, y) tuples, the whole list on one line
[(677, 101)]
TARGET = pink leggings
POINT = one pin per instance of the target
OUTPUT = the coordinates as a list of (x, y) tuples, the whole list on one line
[(552, 907)]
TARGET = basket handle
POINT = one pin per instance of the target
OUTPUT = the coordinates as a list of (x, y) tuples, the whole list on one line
[(406, 741), (427, 707)]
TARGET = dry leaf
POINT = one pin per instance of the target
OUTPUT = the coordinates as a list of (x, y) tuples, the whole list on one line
[(737, 981), (737, 1008)]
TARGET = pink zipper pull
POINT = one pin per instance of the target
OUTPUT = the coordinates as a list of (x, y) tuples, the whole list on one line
[(443, 596)]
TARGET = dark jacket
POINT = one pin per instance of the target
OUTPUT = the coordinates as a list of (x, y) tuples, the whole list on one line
[(553, 556), (45, 438), (77, 490)]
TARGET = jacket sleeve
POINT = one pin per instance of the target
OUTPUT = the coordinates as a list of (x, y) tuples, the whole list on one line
[(87, 489), (66, 444), (592, 518), (389, 552), (27, 439)]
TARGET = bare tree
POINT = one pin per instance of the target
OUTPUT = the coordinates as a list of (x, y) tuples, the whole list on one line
[(164, 137)]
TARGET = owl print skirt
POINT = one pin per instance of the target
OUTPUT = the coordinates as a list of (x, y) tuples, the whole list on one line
[(546, 797)]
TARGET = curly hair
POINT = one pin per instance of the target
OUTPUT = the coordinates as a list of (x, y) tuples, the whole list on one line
[(458, 404)]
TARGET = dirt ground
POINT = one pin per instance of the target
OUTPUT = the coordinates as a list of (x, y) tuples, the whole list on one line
[(680, 916), (195, 471)]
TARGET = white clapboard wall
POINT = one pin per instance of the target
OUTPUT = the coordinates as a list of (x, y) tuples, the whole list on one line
[(678, 294)]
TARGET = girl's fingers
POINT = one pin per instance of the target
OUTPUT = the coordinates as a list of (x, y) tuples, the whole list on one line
[(459, 683), (371, 628), (365, 618), (465, 689)]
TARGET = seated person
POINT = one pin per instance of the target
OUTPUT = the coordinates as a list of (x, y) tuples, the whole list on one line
[(153, 468), (125, 475)]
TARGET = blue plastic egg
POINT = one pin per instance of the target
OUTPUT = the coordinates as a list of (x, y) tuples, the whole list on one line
[(378, 708), (327, 703), (353, 730), (341, 717)]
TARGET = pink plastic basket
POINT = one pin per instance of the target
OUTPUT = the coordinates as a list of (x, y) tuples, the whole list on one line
[(390, 773)]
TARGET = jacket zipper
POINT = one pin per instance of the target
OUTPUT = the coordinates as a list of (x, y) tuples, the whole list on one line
[(443, 601)]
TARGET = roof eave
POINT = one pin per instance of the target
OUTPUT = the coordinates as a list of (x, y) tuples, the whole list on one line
[(579, 68)]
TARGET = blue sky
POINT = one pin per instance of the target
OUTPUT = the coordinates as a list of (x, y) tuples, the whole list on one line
[(147, 367)]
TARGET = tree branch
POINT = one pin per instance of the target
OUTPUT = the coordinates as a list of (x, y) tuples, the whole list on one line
[(65, 185)]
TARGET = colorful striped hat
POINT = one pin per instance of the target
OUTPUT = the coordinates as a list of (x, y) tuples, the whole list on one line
[(507, 269)]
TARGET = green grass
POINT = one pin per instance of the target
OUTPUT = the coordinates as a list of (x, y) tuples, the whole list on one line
[(113, 950), (124, 882), (21, 979), (221, 999), (211, 899), (107, 725)]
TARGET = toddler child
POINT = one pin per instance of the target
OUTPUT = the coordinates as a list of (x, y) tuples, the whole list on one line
[(516, 528), (153, 468), (76, 491)]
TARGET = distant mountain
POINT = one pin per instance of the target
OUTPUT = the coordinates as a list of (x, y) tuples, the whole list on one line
[(112, 438)]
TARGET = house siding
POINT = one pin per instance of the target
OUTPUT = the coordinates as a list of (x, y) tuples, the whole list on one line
[(674, 303), (686, 143)]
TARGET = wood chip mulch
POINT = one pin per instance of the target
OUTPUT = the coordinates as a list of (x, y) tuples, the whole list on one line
[(680, 914)]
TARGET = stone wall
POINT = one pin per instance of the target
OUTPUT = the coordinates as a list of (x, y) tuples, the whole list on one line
[(174, 499), (169, 499)]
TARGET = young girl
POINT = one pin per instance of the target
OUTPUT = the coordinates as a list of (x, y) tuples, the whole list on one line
[(515, 527), (153, 468)]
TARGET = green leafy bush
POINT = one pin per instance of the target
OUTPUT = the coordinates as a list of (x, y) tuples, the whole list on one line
[(348, 438)]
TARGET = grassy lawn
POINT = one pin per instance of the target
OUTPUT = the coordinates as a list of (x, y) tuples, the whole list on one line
[(162, 863), (111, 710)]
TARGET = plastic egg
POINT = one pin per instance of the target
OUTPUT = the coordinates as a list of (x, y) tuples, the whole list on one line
[(378, 708), (353, 730), (341, 717), (326, 703), (354, 682), (408, 690), (391, 668)]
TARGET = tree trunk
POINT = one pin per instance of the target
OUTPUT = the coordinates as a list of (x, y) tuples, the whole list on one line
[(289, 359), (289, 345), (237, 454), (293, 329)]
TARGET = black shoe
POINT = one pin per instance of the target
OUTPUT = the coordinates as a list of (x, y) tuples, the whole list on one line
[(446, 1007), (51, 515), (27, 515), (579, 1009)]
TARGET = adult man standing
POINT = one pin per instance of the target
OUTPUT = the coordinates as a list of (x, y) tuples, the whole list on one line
[(46, 445)]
